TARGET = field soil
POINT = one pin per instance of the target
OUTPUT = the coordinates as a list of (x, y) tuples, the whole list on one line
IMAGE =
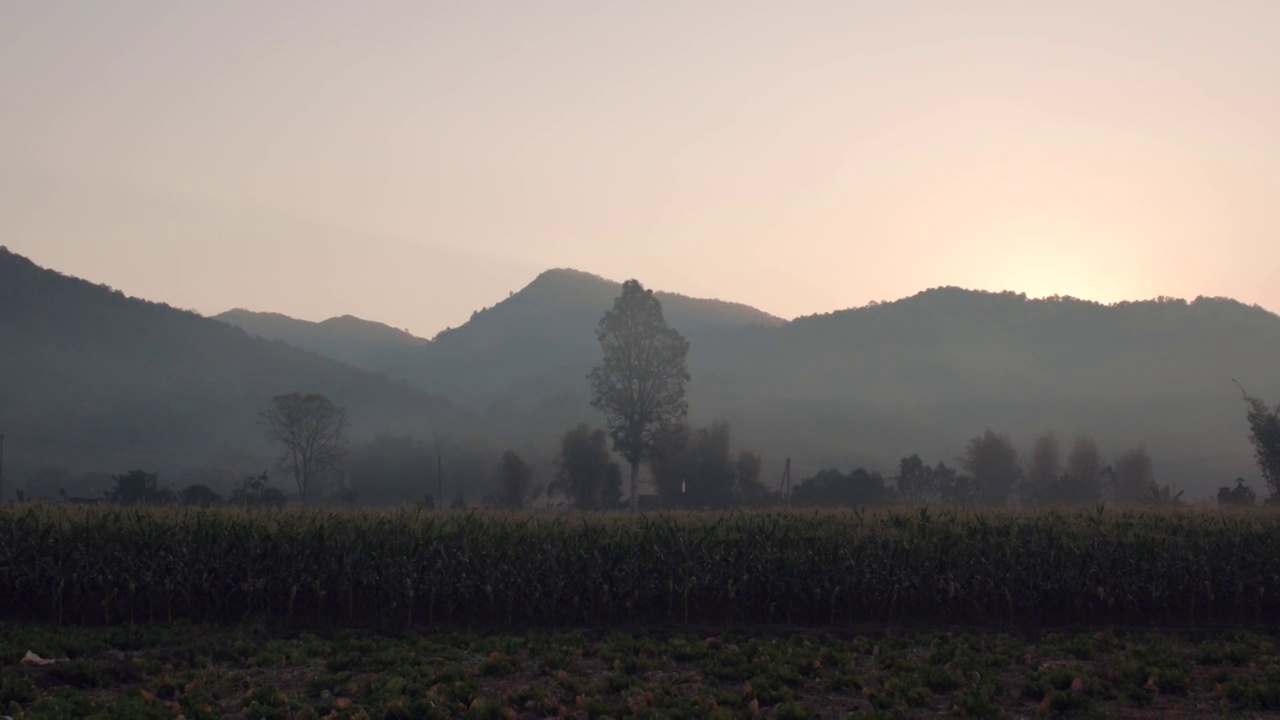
[(172, 671)]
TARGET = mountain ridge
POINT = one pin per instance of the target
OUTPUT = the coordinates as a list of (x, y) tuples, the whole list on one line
[(236, 316), (866, 385), (105, 375), (366, 344), (860, 386)]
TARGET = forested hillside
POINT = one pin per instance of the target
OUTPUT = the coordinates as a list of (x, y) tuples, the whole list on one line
[(91, 379), (522, 362), (867, 386), (362, 343)]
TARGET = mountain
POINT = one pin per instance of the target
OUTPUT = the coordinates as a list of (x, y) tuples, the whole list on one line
[(546, 332), (523, 361), (93, 380), (867, 386), (857, 387), (362, 343), (543, 334)]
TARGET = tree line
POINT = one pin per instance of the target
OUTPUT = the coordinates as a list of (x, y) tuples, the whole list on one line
[(698, 468)]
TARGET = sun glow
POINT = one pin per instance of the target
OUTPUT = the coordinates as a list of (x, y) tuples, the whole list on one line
[(1059, 268)]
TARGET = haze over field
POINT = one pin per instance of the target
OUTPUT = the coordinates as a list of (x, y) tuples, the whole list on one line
[(882, 228)]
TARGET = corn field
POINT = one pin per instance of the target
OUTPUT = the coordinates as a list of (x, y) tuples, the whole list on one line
[(78, 565)]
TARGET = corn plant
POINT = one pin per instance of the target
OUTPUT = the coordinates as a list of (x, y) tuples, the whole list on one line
[(109, 565)]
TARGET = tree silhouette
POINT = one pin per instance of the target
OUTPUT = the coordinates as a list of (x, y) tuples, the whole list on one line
[(640, 385), (921, 484), (313, 432), (915, 481), (200, 495), (255, 491), (1083, 478), (1044, 465), (1264, 434), (515, 481), (749, 489), (953, 488), (992, 463), (692, 468), (587, 475), (1134, 480), (831, 487)]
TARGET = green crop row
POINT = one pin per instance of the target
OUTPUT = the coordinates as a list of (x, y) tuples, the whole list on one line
[(109, 565)]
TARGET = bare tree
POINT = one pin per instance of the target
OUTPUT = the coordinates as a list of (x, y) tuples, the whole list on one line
[(640, 385), (313, 432)]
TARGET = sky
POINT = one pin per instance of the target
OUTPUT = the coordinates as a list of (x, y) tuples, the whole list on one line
[(410, 162)]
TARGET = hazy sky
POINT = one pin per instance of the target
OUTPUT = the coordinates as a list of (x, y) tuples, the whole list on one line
[(410, 162)]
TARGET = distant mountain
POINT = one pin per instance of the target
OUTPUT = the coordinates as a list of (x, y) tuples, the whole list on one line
[(857, 387), (866, 386), (362, 343), (524, 360), (923, 374), (542, 333), (93, 380)]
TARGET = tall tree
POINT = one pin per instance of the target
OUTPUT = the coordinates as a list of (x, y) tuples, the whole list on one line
[(640, 384), (992, 462), (1264, 433), (313, 432)]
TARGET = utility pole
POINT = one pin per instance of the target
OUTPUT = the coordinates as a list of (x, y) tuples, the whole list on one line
[(439, 483), (785, 487), (1, 467)]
